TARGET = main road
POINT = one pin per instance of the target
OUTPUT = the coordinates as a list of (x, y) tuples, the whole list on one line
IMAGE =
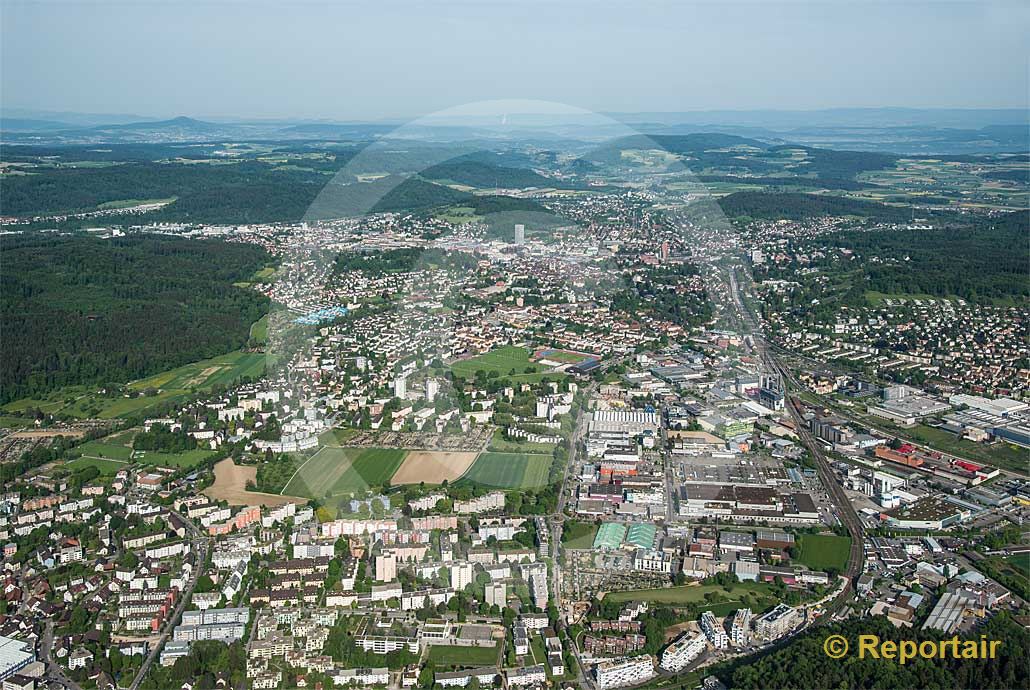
[(200, 546), (583, 678)]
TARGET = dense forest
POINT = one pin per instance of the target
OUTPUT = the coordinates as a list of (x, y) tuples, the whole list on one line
[(832, 163), (80, 310), (702, 152), (477, 174), (803, 664), (985, 260), (402, 260), (814, 183), (237, 193), (1022, 175), (797, 206)]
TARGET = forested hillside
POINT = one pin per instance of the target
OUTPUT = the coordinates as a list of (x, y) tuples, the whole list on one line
[(803, 664), (239, 193), (476, 174), (984, 260), (79, 310), (796, 206)]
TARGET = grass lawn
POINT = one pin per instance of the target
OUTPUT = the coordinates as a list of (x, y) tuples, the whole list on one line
[(563, 356), (336, 437), (188, 458), (693, 594), (259, 330), (122, 438), (822, 551), (171, 385), (1000, 454), (509, 470), (505, 445), (448, 655), (503, 361), (106, 467), (579, 535), (1020, 562), (206, 373), (14, 422), (876, 298), (334, 471), (110, 451), (1012, 572)]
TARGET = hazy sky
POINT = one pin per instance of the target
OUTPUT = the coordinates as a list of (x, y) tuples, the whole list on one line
[(350, 60)]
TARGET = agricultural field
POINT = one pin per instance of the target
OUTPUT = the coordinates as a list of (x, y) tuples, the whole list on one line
[(259, 330), (14, 422), (458, 215), (336, 437), (334, 471), (503, 361), (231, 486), (824, 551), (448, 655), (122, 438), (509, 470), (432, 467)]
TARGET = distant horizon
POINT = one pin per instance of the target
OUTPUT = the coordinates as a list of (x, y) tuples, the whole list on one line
[(394, 60), (103, 118)]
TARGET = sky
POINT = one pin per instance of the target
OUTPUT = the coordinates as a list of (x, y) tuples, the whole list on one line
[(391, 59)]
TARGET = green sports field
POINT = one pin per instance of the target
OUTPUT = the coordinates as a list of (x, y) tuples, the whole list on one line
[(823, 551), (343, 471), (509, 470), (106, 467), (502, 361), (107, 451), (187, 458), (447, 655)]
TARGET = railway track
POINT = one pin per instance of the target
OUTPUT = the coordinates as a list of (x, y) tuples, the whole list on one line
[(845, 512)]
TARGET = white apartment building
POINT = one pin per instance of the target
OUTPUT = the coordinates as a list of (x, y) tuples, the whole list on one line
[(678, 655), (740, 630), (713, 630), (614, 674)]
